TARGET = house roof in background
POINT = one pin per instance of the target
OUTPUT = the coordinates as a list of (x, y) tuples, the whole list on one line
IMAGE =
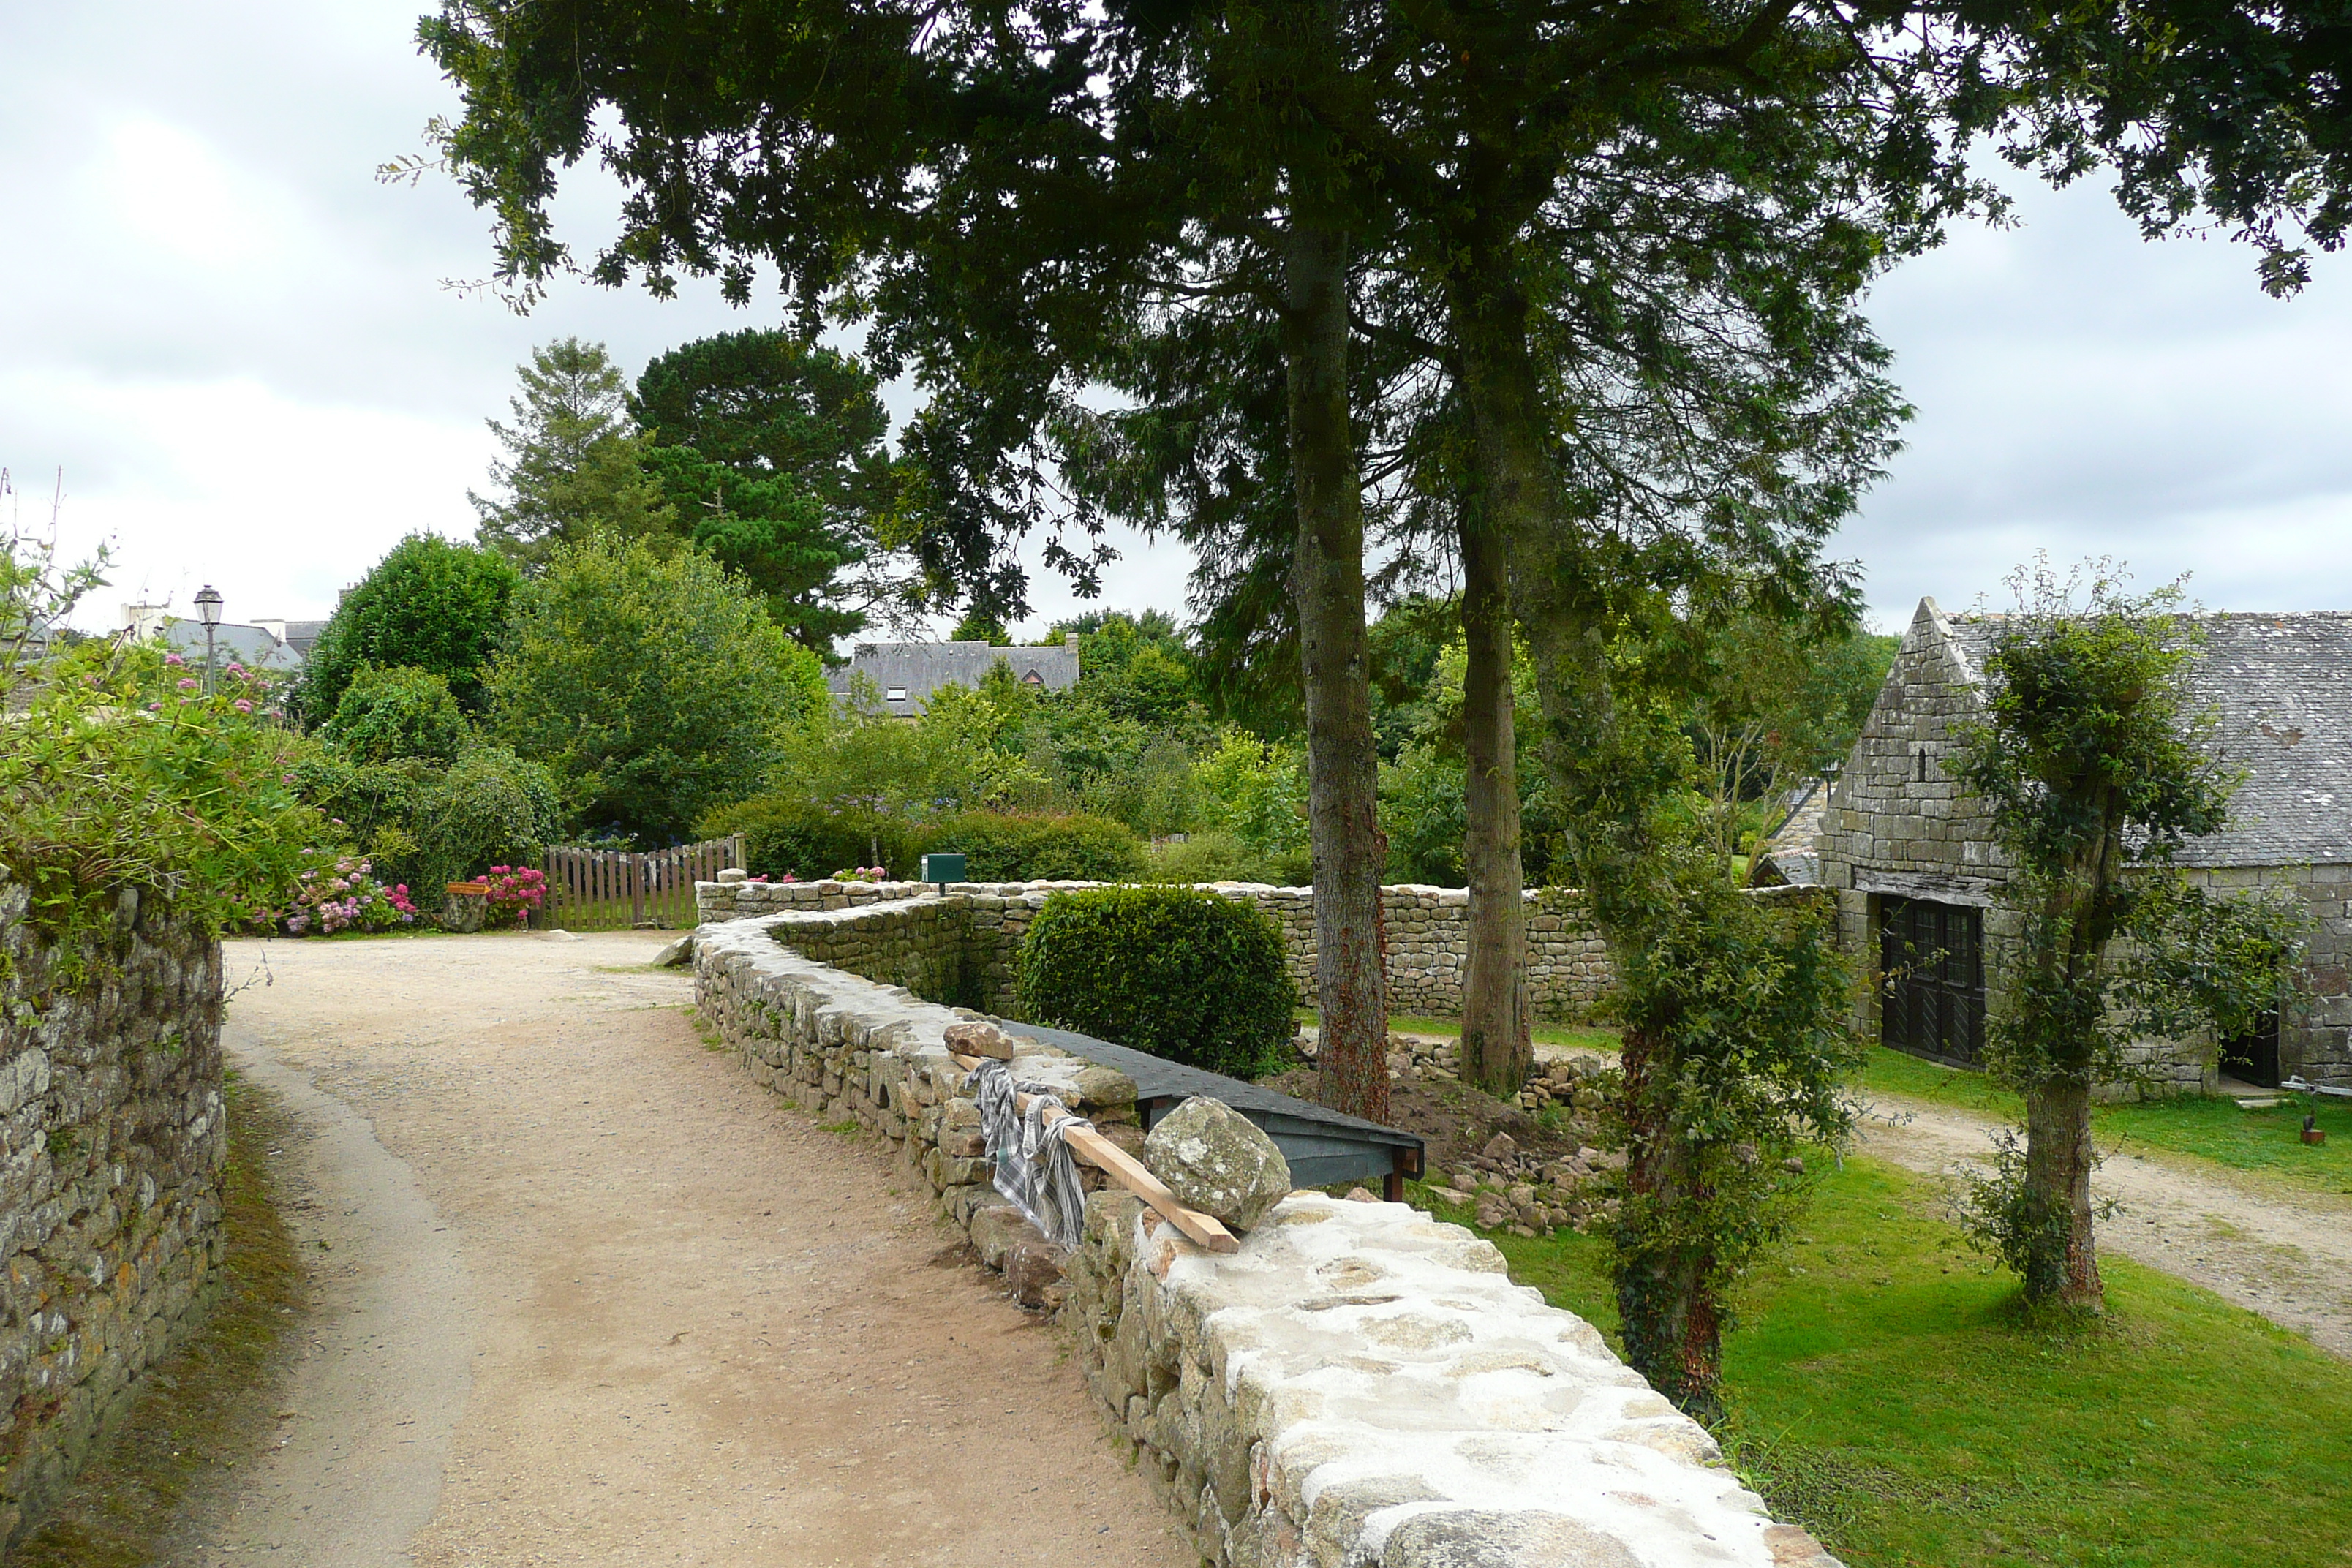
[(2282, 684), (256, 647), (915, 669)]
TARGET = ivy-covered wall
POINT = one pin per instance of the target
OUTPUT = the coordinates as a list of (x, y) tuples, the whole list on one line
[(112, 1144)]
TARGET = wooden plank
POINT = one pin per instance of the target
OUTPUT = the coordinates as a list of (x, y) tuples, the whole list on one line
[(1131, 1174)]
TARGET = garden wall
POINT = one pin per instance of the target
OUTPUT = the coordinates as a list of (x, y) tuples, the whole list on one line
[(1358, 1385), (1426, 930), (111, 1143)]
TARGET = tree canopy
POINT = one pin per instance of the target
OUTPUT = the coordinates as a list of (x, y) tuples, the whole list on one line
[(429, 605), (653, 686), (574, 465), (770, 448)]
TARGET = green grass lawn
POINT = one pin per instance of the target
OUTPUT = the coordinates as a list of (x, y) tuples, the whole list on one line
[(1545, 1033), (2208, 1127), (1887, 1393)]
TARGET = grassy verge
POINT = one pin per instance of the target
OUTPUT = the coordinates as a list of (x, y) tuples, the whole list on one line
[(206, 1408), (1888, 1393), (1585, 1037), (2267, 1144)]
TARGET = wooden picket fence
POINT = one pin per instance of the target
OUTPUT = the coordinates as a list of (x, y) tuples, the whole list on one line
[(607, 889)]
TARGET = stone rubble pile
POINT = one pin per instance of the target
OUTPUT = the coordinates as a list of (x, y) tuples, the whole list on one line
[(1505, 1188), (1357, 1386)]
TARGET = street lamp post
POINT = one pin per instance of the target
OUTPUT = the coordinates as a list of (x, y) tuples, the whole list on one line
[(208, 610)]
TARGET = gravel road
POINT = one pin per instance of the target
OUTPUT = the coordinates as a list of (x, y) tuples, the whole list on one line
[(587, 1294), (2284, 1254)]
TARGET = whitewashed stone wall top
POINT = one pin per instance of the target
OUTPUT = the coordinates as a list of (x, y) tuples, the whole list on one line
[(1357, 1386)]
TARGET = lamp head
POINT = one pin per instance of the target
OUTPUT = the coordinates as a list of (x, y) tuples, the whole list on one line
[(208, 604)]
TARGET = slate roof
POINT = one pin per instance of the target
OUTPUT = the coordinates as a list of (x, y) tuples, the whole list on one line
[(919, 669), (1790, 855), (256, 647), (2282, 684)]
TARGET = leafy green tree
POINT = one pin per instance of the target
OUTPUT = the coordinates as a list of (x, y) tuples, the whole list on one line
[(1732, 1007), (1779, 700), (976, 626), (652, 686), (2096, 767), (388, 714), (1003, 198), (430, 604), (770, 448), (574, 465)]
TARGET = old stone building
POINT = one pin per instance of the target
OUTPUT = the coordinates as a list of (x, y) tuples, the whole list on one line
[(1918, 880)]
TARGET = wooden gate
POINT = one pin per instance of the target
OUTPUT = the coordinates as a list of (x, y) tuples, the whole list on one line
[(609, 889)]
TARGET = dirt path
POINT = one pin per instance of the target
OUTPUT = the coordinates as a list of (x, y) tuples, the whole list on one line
[(2285, 1255), (590, 1295)]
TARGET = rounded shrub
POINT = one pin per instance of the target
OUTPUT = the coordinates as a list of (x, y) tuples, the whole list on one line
[(492, 808), (1180, 973), (1017, 847), (388, 714)]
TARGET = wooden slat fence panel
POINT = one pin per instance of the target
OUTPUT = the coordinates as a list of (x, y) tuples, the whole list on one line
[(607, 889)]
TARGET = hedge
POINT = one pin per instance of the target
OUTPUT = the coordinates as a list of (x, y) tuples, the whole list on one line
[(1183, 975), (789, 835), (1006, 846)]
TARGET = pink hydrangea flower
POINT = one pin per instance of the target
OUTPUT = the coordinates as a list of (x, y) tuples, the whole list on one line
[(190, 684), (173, 659), (242, 706)]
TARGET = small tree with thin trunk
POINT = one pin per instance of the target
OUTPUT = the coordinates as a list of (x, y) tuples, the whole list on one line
[(2095, 765)]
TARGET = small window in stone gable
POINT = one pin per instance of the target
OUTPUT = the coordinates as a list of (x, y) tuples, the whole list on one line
[(896, 694)]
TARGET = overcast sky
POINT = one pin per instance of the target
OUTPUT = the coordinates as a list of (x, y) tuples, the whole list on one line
[(236, 346)]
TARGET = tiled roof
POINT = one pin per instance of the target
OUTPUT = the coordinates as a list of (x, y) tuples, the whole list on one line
[(915, 669), (2282, 684)]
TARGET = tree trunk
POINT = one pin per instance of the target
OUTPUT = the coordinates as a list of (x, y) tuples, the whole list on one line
[(2058, 1160), (1671, 1324), (1513, 501), (1498, 1048), (1335, 666)]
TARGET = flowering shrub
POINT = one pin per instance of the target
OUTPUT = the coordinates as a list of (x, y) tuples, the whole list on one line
[(860, 874), (345, 896), (118, 771), (515, 891), (764, 876)]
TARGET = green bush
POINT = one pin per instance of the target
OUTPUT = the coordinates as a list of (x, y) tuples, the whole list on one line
[(1217, 856), (1185, 975), (428, 825), (491, 808), (785, 836), (387, 714), (1010, 847)]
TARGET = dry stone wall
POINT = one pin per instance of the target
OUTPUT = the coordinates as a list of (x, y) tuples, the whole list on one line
[(112, 1144), (1426, 930), (1357, 1385)]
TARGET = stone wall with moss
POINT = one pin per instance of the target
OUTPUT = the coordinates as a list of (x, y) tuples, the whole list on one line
[(112, 1139)]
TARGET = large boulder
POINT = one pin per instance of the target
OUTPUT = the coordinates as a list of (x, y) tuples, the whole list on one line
[(1216, 1160)]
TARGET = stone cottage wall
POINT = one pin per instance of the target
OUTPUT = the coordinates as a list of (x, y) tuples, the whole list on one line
[(1898, 824), (1357, 1384), (111, 1143), (1426, 928)]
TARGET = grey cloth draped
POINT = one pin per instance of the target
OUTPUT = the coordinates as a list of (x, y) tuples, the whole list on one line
[(1034, 1167)]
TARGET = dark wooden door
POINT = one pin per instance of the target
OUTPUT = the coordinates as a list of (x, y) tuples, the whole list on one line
[(1931, 961)]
